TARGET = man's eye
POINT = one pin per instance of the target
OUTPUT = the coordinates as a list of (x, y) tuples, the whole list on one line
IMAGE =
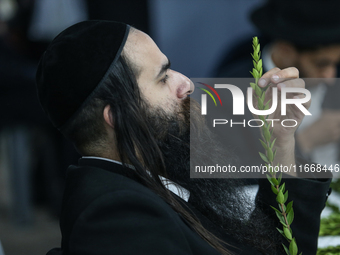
[(164, 80)]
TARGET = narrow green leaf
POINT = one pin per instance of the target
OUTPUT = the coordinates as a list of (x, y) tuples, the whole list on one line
[(280, 197), (266, 134), (273, 142), (280, 216), (258, 91), (290, 216), (270, 154), (276, 210), (263, 97), (264, 158), (286, 249), (279, 205), (253, 85), (274, 181), (268, 102), (281, 232), (293, 247), (274, 190), (289, 207), (259, 64), (283, 223), (260, 103), (287, 233), (283, 187), (270, 180), (285, 197), (264, 145), (267, 125)]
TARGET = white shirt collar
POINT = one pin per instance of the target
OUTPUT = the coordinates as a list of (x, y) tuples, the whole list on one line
[(170, 185)]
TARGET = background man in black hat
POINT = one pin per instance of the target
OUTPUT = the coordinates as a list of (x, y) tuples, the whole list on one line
[(304, 34), (109, 89)]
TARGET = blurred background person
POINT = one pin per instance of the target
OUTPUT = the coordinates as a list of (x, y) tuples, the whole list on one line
[(304, 34), (33, 155)]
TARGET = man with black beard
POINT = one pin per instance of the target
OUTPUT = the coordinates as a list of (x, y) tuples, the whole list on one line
[(220, 200), (110, 90)]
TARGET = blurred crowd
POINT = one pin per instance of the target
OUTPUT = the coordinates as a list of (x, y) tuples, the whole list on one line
[(34, 154)]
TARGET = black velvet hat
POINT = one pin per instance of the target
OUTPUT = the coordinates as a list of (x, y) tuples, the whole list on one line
[(303, 22), (76, 63)]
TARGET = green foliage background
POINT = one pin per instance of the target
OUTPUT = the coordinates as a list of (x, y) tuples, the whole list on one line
[(330, 226)]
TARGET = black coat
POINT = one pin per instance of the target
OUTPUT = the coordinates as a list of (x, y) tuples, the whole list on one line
[(107, 211)]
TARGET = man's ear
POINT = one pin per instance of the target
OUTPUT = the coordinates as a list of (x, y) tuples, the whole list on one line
[(108, 116)]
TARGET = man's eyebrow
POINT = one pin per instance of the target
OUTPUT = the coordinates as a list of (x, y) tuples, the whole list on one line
[(164, 68)]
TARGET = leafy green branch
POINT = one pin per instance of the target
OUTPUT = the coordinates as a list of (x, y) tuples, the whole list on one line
[(285, 213), (329, 250)]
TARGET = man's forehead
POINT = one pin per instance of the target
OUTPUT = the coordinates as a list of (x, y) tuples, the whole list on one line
[(138, 42), (141, 50)]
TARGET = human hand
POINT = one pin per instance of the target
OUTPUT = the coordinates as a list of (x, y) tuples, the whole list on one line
[(284, 134), (288, 78)]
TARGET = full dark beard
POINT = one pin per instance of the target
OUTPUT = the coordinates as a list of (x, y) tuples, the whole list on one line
[(220, 200)]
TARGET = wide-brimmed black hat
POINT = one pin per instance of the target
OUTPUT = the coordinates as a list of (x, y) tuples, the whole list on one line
[(303, 22)]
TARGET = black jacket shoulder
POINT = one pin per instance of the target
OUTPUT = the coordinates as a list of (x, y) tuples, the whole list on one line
[(105, 212)]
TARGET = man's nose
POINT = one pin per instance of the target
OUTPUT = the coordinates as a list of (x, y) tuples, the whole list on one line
[(185, 86)]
